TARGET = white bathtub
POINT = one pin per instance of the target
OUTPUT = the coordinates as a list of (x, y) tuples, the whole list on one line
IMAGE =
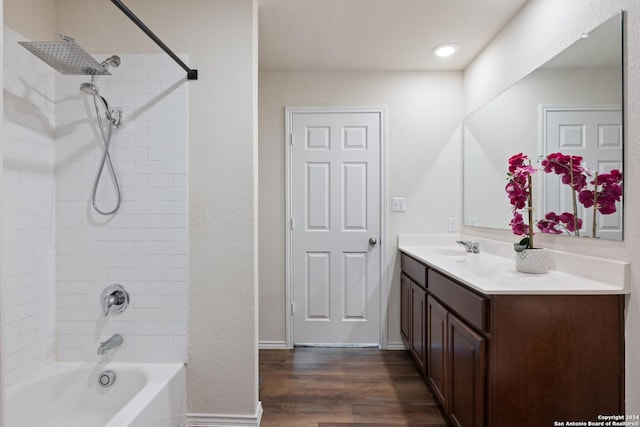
[(67, 394)]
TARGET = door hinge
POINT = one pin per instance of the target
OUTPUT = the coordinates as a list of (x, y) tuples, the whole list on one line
[(292, 309), (291, 138), (292, 224)]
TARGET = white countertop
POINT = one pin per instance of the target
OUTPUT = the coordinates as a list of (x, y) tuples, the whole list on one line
[(492, 274)]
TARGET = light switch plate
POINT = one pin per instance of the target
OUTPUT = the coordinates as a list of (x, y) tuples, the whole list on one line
[(398, 204)]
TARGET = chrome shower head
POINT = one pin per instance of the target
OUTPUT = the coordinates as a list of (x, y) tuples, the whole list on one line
[(113, 115), (89, 89), (66, 57), (112, 61)]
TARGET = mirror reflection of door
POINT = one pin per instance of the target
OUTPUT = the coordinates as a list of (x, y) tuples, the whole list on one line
[(587, 73), (596, 135)]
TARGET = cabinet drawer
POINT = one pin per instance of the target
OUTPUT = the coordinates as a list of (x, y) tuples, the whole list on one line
[(467, 304), (414, 269)]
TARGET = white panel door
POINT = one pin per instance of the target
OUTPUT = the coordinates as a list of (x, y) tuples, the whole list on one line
[(596, 135), (335, 209)]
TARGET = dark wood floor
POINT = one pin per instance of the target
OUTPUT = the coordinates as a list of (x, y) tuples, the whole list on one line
[(344, 387)]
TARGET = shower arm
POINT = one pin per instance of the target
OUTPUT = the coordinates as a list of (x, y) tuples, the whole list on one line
[(191, 73)]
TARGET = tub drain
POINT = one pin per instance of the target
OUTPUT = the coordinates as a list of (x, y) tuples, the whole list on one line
[(107, 379)]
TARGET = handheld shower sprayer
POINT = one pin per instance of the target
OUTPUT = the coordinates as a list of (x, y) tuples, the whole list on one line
[(90, 88), (112, 114), (114, 118)]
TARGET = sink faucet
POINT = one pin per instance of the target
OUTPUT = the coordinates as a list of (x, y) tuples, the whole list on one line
[(111, 342), (472, 247)]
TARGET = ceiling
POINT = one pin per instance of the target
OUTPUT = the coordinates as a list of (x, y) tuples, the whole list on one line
[(375, 35)]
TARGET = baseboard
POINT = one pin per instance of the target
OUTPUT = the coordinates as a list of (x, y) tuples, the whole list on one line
[(272, 345), (226, 420), (398, 345), (282, 345)]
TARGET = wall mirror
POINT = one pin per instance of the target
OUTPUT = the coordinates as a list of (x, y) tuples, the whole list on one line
[(572, 104)]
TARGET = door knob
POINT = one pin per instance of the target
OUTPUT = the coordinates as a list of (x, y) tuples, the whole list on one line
[(373, 241)]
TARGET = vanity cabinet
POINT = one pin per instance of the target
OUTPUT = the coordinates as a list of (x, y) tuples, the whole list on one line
[(456, 352), (466, 369), (413, 297), (501, 360), (418, 327), (436, 349), (405, 307), (412, 325)]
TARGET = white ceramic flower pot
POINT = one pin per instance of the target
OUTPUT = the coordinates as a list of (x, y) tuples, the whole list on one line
[(532, 261)]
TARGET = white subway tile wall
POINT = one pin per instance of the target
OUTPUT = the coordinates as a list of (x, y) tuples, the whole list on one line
[(144, 245), (28, 270), (52, 150)]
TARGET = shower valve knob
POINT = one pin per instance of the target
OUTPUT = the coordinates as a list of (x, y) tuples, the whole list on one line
[(114, 296)]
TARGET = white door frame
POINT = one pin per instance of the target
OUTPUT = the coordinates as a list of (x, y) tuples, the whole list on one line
[(384, 283)]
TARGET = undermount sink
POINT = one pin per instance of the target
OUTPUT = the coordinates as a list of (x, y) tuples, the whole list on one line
[(450, 252)]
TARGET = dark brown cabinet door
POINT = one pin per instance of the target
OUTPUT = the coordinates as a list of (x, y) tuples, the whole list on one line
[(437, 349), (418, 332), (405, 307), (467, 375)]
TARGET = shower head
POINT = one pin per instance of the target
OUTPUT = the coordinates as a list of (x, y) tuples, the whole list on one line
[(89, 89), (112, 114), (66, 57), (112, 61)]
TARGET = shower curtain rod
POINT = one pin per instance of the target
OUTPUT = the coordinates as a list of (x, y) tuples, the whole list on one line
[(191, 73)]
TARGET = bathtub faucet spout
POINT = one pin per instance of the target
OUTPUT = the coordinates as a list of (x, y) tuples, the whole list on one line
[(111, 342)]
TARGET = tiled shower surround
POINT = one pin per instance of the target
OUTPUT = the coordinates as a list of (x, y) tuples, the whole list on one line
[(143, 246), (28, 270)]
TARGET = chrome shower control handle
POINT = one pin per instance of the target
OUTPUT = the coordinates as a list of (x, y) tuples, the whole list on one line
[(114, 296)]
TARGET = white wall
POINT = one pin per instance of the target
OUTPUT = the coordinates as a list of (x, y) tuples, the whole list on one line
[(32, 19), (36, 77), (2, 369), (28, 268), (539, 31), (423, 165)]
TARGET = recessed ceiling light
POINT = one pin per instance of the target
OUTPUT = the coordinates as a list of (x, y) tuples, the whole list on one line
[(445, 50)]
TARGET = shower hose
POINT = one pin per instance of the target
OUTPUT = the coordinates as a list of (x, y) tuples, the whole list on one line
[(105, 131)]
